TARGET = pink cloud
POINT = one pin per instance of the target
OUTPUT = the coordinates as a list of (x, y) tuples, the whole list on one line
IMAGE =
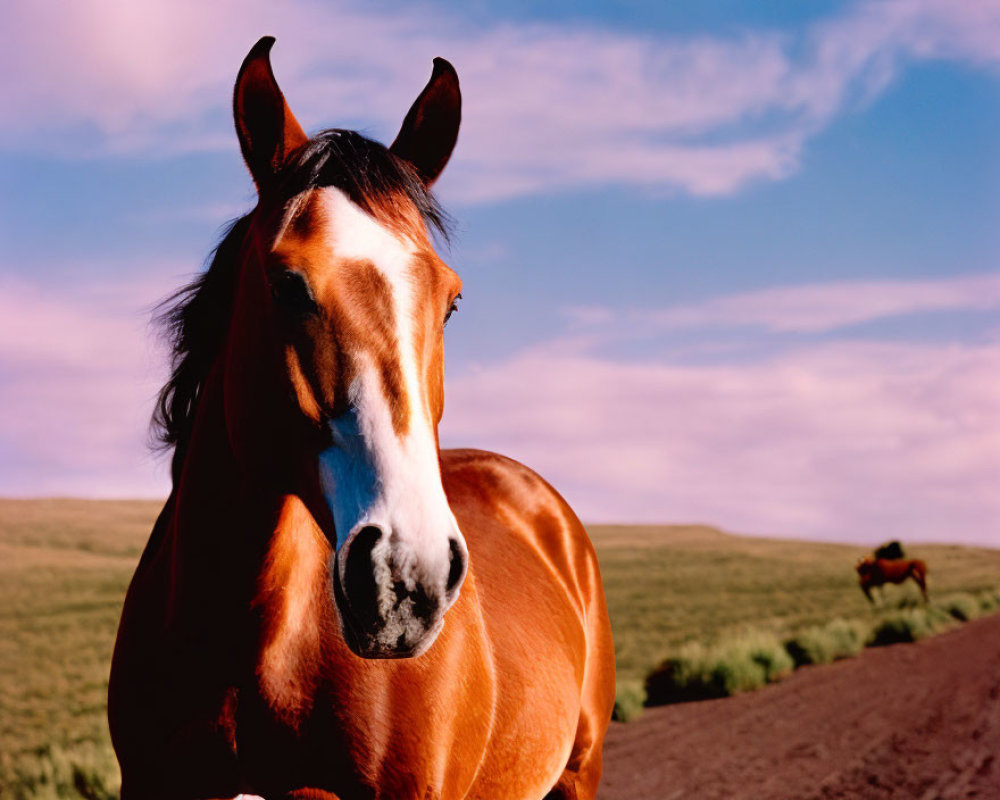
[(853, 441), (547, 107), (856, 442), (811, 308), (80, 374)]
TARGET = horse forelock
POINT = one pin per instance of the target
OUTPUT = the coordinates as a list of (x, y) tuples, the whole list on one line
[(371, 176)]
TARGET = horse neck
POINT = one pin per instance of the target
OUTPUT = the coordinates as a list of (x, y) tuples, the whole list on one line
[(218, 523)]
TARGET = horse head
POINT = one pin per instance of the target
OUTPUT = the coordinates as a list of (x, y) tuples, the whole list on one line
[(334, 374)]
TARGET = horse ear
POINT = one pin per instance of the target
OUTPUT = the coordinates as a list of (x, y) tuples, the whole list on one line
[(430, 129), (267, 129)]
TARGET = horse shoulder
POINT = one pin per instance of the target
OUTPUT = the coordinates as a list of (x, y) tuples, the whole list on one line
[(499, 501), (539, 587), (531, 559)]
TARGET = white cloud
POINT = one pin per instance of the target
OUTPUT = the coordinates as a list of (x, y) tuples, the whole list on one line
[(80, 374), (811, 308), (856, 442), (547, 107)]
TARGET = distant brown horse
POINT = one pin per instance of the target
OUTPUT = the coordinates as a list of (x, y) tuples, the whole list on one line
[(330, 607), (880, 571)]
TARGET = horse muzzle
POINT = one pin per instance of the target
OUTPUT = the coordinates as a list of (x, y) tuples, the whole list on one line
[(392, 599)]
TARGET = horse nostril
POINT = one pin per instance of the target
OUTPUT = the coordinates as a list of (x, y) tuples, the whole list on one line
[(359, 576), (457, 568)]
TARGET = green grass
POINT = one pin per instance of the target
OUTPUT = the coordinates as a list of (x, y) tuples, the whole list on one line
[(748, 660), (963, 606), (51, 772), (630, 699), (737, 664), (668, 585), (65, 564), (821, 644), (911, 625), (64, 568)]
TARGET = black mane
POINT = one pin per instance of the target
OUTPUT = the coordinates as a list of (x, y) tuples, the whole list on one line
[(196, 318)]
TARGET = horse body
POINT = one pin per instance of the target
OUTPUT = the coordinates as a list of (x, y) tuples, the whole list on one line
[(329, 606), (511, 698), (880, 571)]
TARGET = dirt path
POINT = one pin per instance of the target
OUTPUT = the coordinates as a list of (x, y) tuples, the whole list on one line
[(910, 721)]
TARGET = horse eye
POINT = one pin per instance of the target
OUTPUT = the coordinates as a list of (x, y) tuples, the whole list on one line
[(292, 293), (453, 308)]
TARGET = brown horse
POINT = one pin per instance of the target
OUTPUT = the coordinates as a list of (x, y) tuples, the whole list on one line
[(329, 606), (880, 571)]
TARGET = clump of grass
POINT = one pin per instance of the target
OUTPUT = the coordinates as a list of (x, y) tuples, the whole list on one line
[(55, 773), (682, 678), (738, 664), (822, 644), (630, 698), (911, 625), (769, 653), (989, 600), (962, 606)]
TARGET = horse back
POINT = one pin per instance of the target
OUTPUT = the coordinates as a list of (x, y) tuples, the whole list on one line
[(899, 569)]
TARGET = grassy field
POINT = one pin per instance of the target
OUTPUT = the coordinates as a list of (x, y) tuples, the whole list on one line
[(668, 585), (65, 564), (64, 568)]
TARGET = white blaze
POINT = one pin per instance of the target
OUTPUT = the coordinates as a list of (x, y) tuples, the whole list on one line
[(371, 475)]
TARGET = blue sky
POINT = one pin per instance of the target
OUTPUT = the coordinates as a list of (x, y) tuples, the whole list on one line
[(727, 262)]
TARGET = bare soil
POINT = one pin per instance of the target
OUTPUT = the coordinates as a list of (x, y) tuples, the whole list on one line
[(915, 721)]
